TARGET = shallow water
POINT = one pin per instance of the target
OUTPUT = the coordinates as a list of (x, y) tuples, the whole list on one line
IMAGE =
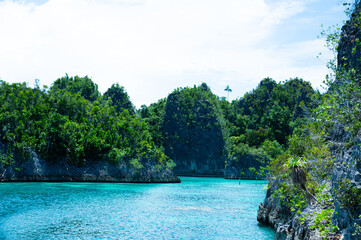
[(198, 208)]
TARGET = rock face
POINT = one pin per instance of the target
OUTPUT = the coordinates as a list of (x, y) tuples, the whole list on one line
[(347, 163), (193, 132), (35, 169), (348, 166), (271, 212), (349, 46), (286, 224), (348, 160)]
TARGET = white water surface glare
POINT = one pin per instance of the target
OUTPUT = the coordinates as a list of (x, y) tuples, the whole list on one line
[(197, 208)]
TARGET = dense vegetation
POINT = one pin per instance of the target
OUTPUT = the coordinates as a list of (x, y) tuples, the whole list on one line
[(261, 122), (72, 122), (257, 126), (194, 131), (321, 164)]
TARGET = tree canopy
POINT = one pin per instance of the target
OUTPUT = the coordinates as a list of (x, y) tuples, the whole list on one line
[(120, 99), (71, 123)]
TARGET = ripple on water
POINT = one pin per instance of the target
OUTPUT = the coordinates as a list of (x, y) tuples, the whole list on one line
[(198, 208)]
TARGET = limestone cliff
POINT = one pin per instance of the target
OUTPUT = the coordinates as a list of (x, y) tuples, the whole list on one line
[(193, 129), (34, 169), (349, 50)]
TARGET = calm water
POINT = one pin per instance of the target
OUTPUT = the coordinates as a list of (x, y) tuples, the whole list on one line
[(198, 208)]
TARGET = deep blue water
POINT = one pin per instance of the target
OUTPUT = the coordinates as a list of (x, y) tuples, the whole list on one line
[(198, 208)]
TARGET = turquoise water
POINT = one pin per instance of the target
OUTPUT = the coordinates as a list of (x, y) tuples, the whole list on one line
[(198, 208)]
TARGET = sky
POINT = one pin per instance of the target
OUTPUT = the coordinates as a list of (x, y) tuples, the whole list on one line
[(152, 47)]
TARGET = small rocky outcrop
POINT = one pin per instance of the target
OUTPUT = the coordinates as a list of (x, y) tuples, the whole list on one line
[(271, 212), (285, 222)]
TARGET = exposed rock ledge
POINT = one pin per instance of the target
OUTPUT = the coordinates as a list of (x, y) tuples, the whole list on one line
[(35, 169), (286, 224)]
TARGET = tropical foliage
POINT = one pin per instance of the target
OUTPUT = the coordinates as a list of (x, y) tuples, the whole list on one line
[(310, 147), (72, 122)]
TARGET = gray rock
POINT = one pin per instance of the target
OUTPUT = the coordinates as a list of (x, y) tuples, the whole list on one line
[(271, 212), (347, 167), (39, 170), (286, 223)]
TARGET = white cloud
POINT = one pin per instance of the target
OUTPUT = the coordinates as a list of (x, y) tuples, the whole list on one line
[(152, 46)]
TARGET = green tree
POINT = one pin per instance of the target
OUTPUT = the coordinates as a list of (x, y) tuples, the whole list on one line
[(83, 86), (70, 122), (120, 98)]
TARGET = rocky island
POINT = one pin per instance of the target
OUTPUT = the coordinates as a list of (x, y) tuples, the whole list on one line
[(71, 132)]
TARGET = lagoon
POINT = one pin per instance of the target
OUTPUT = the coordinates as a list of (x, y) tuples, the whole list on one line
[(197, 208)]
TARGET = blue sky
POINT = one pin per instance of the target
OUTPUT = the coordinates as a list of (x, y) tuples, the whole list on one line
[(154, 46), (306, 25)]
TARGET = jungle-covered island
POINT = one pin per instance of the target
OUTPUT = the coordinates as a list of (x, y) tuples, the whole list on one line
[(72, 132), (304, 142)]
